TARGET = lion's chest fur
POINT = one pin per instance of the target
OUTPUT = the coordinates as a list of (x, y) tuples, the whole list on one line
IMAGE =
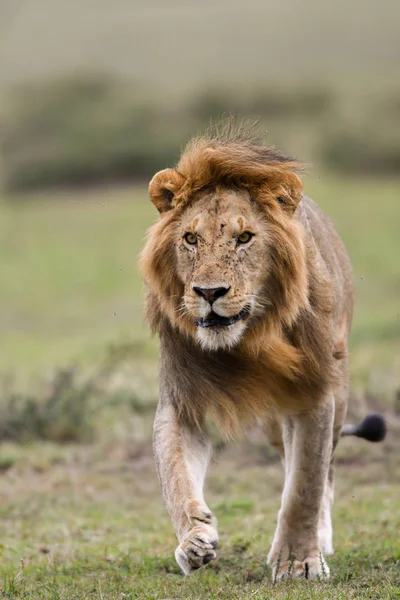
[(235, 387)]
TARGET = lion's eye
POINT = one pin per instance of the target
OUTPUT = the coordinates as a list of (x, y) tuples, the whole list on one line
[(190, 238), (245, 237)]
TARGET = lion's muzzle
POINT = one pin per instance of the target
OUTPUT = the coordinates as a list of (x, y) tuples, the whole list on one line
[(214, 320)]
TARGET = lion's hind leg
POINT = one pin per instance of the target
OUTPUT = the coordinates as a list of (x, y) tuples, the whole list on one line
[(325, 532), (296, 550)]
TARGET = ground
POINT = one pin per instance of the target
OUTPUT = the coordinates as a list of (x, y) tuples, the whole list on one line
[(86, 520), (90, 523)]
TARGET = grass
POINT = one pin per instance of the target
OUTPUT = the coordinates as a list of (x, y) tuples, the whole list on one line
[(69, 275), (82, 521), (89, 523)]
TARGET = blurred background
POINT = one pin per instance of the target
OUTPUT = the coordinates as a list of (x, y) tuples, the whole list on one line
[(95, 97)]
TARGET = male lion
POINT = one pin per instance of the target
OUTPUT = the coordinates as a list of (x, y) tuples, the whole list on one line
[(249, 288)]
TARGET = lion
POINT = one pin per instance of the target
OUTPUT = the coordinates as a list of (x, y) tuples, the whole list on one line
[(249, 288)]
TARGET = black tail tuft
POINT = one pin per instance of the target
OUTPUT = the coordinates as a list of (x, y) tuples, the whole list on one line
[(372, 428)]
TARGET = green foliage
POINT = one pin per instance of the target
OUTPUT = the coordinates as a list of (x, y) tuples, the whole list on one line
[(274, 102), (79, 131), (60, 415), (97, 129), (373, 148), (73, 406)]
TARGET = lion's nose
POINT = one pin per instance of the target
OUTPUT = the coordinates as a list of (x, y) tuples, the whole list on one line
[(211, 294)]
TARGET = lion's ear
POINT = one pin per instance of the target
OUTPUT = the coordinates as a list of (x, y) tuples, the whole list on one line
[(290, 192), (163, 187)]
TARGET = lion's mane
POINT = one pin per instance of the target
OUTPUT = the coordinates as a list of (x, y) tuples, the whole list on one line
[(287, 358)]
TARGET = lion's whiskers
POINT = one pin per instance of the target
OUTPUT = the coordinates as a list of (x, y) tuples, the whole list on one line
[(181, 310), (256, 303)]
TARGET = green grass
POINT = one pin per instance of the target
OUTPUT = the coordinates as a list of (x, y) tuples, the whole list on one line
[(69, 275), (84, 523), (87, 521)]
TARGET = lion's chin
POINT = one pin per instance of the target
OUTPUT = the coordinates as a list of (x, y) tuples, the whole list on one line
[(220, 338)]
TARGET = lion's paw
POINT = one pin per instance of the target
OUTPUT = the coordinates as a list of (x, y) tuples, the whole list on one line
[(313, 567), (197, 549)]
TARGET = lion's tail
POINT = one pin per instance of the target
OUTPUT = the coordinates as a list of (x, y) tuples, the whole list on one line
[(372, 428)]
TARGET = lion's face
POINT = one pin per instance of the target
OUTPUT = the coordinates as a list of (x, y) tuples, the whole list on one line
[(222, 257), (226, 258)]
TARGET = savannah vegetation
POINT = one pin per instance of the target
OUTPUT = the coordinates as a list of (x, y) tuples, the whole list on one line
[(81, 509)]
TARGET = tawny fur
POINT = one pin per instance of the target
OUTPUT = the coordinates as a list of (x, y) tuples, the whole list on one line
[(286, 364)]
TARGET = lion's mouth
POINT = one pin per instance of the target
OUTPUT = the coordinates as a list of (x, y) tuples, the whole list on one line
[(214, 320)]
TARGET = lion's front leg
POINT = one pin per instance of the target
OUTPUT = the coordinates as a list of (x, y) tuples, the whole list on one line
[(182, 456), (296, 550)]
